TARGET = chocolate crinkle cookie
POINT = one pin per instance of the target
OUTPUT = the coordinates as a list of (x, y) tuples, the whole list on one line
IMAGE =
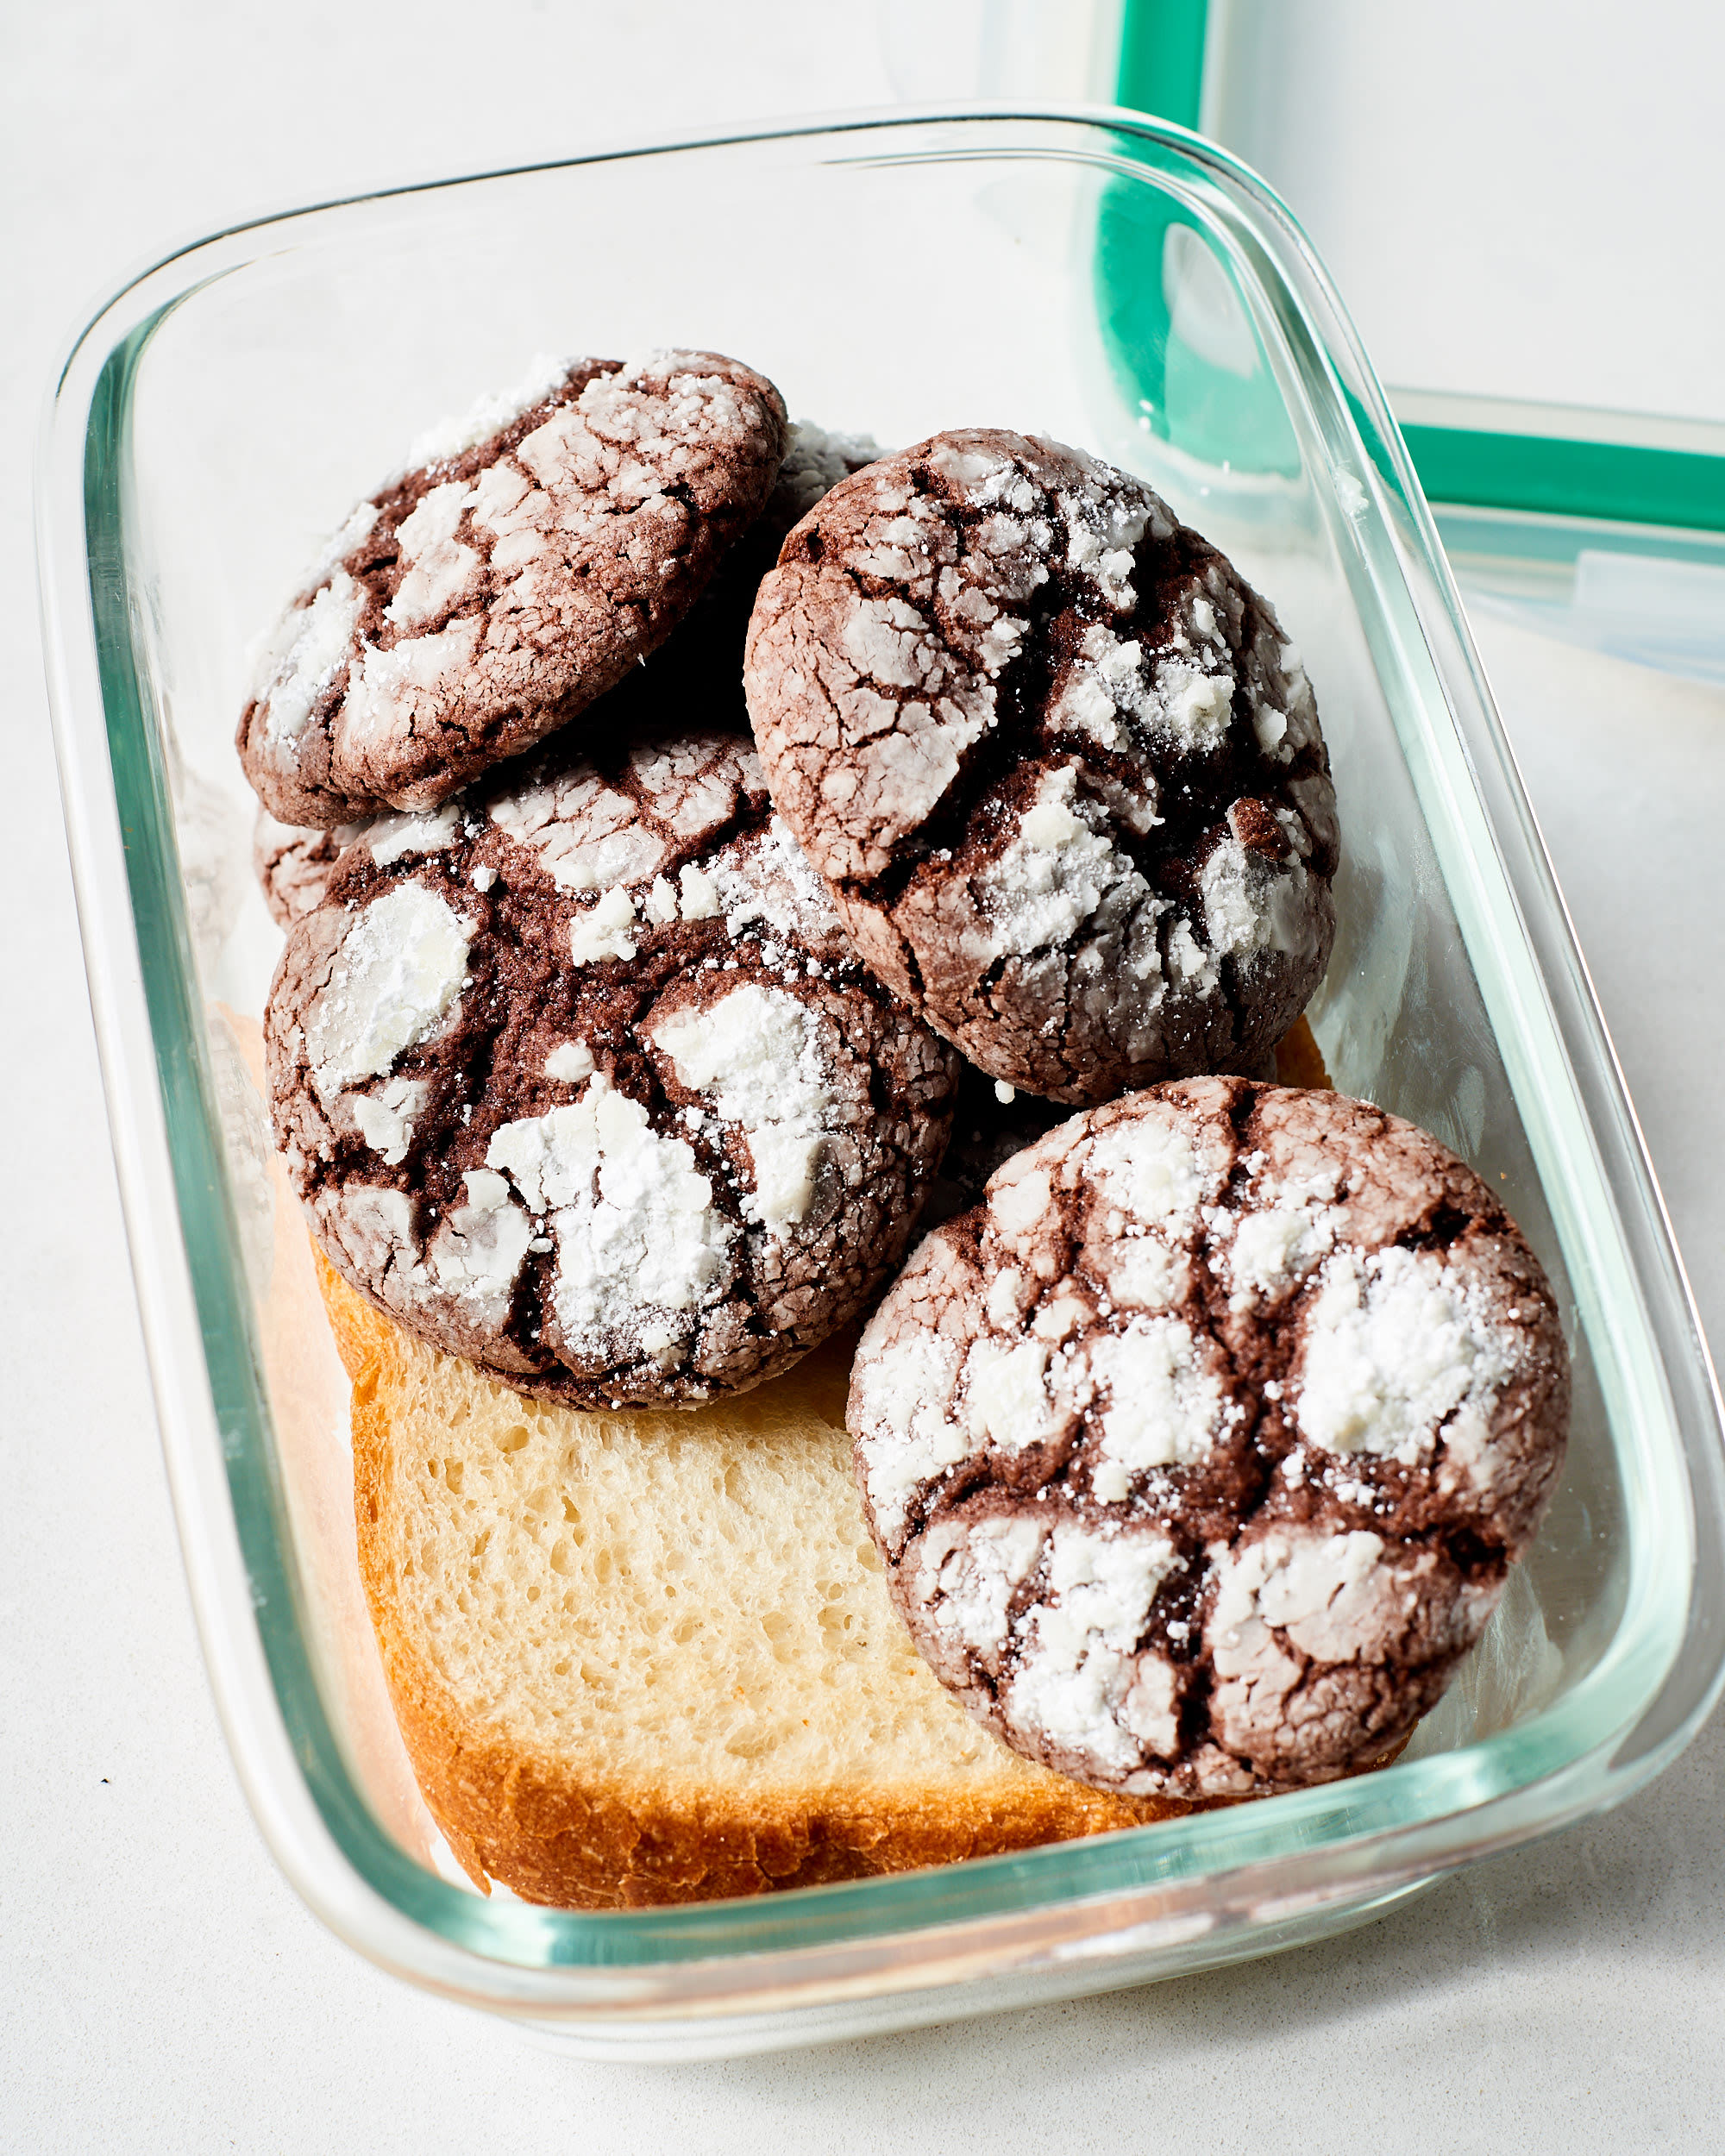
[(1057, 764), (1198, 1452), (703, 659), (580, 1078), (530, 556)]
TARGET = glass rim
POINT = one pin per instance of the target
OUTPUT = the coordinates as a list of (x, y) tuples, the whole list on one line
[(1645, 1695)]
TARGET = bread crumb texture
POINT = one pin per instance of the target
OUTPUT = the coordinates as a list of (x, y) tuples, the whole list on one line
[(649, 1656)]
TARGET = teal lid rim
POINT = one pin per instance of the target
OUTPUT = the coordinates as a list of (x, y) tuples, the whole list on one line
[(1161, 68), (1604, 481)]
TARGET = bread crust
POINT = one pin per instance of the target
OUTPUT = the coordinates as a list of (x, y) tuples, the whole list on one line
[(559, 1835)]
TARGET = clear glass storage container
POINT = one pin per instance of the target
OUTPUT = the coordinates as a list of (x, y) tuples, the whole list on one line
[(1117, 285)]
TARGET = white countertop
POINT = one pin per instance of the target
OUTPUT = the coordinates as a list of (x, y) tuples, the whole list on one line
[(164, 1989)]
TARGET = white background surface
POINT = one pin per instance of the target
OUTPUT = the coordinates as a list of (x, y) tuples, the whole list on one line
[(163, 1988)]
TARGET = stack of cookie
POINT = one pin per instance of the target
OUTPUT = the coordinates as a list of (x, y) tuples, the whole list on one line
[(674, 816)]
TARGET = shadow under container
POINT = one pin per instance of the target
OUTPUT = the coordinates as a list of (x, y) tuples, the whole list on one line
[(1114, 284)]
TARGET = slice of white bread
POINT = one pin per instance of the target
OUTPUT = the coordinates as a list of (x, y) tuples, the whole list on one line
[(643, 1658)]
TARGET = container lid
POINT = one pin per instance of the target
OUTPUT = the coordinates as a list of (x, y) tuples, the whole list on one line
[(1605, 530)]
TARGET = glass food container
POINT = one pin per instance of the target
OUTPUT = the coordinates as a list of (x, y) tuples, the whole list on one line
[(1117, 285)]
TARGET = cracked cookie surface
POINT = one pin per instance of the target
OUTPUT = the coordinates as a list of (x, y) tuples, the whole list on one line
[(532, 553), (580, 1078), (702, 659), (1198, 1452), (1061, 770)]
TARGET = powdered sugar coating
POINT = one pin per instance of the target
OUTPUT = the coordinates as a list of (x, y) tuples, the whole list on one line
[(401, 963), (638, 1241), (758, 1054), (534, 554), (1199, 1451), (293, 864), (582, 1080), (1057, 764)]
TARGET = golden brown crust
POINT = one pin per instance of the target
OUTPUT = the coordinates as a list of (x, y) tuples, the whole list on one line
[(551, 1840), (361, 1331), (535, 1824), (1300, 1061)]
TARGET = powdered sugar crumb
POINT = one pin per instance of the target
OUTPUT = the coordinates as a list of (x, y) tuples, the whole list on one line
[(300, 661), (569, 1063), (639, 1243), (966, 1575), (1082, 1682), (489, 413), (398, 970), (1164, 1409), (605, 930), (902, 1394), (1397, 1345), (757, 1054)]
